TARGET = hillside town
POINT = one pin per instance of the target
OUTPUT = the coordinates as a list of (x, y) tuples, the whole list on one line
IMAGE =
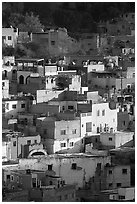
[(68, 117)]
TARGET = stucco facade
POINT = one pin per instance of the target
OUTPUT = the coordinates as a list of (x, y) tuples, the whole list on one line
[(74, 168)]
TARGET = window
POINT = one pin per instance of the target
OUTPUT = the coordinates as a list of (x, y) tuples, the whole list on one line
[(73, 195), (121, 197), (71, 144), (133, 75), (60, 197), (70, 107), (124, 171), (66, 197), (52, 81), (28, 142), (9, 37), (14, 143), (8, 176), (98, 113), (89, 127), (110, 138), (99, 165), (103, 112), (124, 122), (14, 106), (3, 38), (23, 105), (110, 171), (50, 167), (12, 178), (110, 184), (133, 16), (45, 131), (3, 83), (118, 184), (73, 166), (35, 141), (63, 132), (82, 125), (52, 42), (63, 144), (74, 131), (50, 183)]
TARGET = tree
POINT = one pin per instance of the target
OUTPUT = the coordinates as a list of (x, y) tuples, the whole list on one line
[(28, 23)]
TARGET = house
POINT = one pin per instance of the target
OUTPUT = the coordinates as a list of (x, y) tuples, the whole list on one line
[(73, 168), (13, 144), (66, 193), (9, 36), (117, 176), (56, 41), (115, 140), (58, 134), (123, 194), (5, 88), (12, 106)]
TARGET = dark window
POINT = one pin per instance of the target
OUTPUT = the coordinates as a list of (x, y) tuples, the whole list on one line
[(14, 106), (103, 112), (70, 107), (74, 131), (121, 197), (3, 38), (110, 171), (110, 184), (50, 183), (28, 142), (98, 113), (35, 141), (23, 105), (99, 165), (71, 144), (118, 184), (124, 171), (8, 176), (50, 167), (52, 81), (63, 132), (45, 131), (14, 143), (110, 138), (9, 37), (82, 125), (60, 197), (89, 127), (63, 144), (21, 79), (52, 42), (124, 122), (66, 197), (74, 166), (3, 83)]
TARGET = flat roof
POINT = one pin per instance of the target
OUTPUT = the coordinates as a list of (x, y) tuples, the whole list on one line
[(28, 59)]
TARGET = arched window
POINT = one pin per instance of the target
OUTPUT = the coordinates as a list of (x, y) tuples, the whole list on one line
[(5, 73), (27, 79), (21, 79)]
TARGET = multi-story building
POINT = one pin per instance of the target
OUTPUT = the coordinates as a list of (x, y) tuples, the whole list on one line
[(5, 88), (9, 36)]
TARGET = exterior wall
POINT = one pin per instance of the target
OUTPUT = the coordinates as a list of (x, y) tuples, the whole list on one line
[(118, 176), (50, 82), (7, 72), (25, 74), (96, 67), (51, 70), (131, 72), (102, 82), (43, 108), (115, 140), (5, 88), (64, 105), (46, 95), (86, 118), (9, 32), (76, 83), (123, 120), (16, 150), (125, 82), (86, 167), (122, 138), (110, 117), (10, 112)]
